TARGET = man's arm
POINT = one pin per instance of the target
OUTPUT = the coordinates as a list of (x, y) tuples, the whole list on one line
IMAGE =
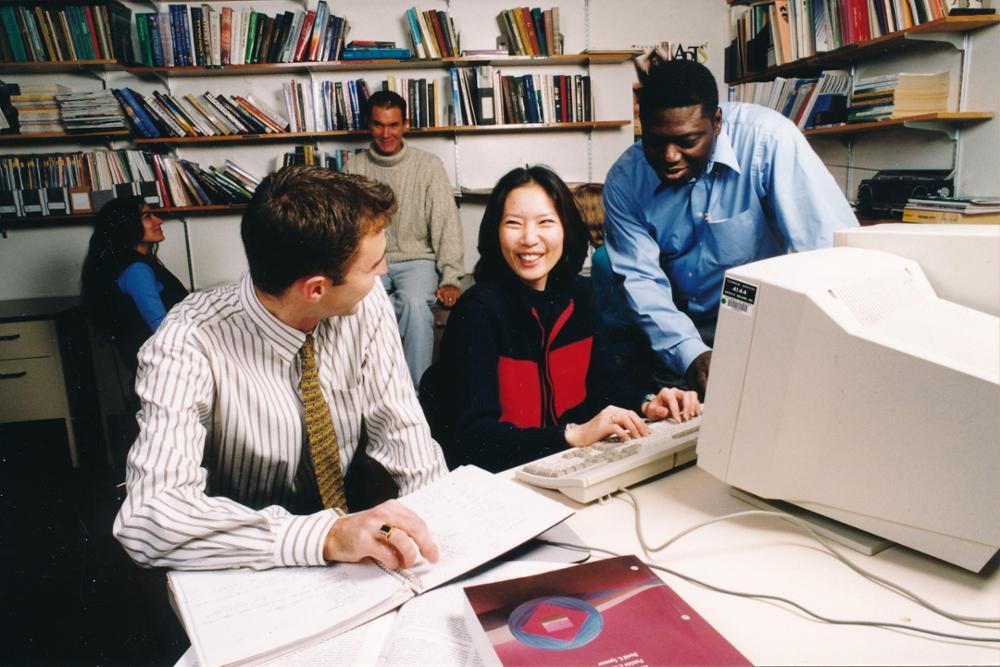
[(445, 227), (807, 203), (167, 519), (399, 437), (635, 254)]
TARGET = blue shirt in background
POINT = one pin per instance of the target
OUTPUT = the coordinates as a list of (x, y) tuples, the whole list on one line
[(139, 282), (763, 192)]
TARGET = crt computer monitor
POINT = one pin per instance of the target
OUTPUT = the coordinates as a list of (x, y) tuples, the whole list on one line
[(842, 383)]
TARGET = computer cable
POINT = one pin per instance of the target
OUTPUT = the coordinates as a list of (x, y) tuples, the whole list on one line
[(824, 542)]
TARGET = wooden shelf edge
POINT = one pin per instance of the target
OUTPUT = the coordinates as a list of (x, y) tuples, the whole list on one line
[(210, 209), (853, 52), (54, 136), (349, 134), (59, 66), (944, 117), (360, 65)]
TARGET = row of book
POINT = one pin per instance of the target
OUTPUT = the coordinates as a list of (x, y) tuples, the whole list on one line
[(312, 155), (808, 102), (202, 35), (485, 96), (162, 115), (781, 31), (531, 32), (82, 182), (952, 210), (432, 34), (36, 108), (35, 32), (834, 98), (898, 95)]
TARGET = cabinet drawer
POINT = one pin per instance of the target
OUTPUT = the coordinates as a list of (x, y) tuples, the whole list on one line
[(32, 389), (20, 340)]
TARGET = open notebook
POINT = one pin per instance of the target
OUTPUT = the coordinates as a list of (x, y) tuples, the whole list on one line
[(235, 616)]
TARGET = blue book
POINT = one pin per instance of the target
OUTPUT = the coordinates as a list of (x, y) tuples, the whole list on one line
[(352, 95), (156, 45), (411, 17), (376, 54), (530, 103), (136, 113)]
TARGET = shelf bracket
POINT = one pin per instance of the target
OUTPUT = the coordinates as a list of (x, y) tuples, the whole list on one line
[(948, 129), (956, 39)]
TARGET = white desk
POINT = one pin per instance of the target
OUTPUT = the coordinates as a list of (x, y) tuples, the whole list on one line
[(765, 555), (760, 555)]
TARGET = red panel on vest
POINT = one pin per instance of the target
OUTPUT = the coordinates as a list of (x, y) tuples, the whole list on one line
[(568, 368), (520, 392)]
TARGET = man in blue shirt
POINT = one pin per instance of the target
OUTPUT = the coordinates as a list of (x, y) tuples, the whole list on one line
[(707, 188)]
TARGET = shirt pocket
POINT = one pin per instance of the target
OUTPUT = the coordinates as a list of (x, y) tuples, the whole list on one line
[(732, 241)]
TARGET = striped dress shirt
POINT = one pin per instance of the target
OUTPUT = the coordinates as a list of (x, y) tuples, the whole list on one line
[(214, 473)]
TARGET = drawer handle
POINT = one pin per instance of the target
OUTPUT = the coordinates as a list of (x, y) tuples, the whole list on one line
[(13, 376), (10, 337)]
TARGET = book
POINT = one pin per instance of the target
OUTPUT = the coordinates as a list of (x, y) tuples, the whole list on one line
[(943, 217), (608, 612), (473, 516)]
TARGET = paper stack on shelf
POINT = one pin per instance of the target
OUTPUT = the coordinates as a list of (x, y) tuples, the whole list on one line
[(90, 112)]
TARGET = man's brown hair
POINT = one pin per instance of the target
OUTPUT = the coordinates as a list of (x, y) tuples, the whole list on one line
[(304, 220)]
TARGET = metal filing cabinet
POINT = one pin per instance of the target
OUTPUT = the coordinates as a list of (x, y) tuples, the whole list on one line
[(32, 386)]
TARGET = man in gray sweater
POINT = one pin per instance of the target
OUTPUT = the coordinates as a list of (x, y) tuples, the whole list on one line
[(424, 242)]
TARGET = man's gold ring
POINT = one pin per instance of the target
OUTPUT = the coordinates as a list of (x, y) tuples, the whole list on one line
[(386, 531)]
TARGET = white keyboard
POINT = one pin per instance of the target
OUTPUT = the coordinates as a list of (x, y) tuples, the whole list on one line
[(588, 473)]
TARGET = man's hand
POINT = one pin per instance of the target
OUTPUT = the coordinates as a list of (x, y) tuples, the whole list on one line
[(356, 536), (448, 295), (672, 403), (697, 373)]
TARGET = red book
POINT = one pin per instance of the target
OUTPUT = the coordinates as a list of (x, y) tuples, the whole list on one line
[(93, 32), (226, 35), (564, 94), (435, 24), (607, 612), (860, 31), (529, 25), (304, 36)]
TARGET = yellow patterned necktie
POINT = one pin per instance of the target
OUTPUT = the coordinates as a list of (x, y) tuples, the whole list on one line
[(322, 437)]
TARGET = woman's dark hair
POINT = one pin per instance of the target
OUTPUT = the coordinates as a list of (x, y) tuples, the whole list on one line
[(493, 266), (117, 231)]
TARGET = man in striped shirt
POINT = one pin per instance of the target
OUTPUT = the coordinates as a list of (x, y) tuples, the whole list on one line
[(221, 474)]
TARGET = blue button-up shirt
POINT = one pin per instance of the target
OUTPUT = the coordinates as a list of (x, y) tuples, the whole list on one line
[(763, 192)]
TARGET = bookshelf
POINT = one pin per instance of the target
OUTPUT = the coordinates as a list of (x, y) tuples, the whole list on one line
[(474, 155), (926, 119), (961, 141), (914, 37)]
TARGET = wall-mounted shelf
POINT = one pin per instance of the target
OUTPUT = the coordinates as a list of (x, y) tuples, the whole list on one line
[(933, 121), (367, 65), (895, 41), (79, 218), (98, 135), (348, 134), (60, 66)]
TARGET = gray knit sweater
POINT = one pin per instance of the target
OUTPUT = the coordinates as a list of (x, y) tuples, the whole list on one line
[(426, 225)]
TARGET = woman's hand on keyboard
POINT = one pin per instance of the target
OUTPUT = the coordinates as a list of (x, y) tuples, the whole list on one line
[(611, 421), (672, 403)]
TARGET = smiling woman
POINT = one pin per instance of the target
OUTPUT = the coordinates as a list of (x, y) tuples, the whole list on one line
[(524, 357), (126, 290)]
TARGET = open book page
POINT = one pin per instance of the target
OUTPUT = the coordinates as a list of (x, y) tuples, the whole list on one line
[(236, 615), (360, 646), (430, 630), (474, 516)]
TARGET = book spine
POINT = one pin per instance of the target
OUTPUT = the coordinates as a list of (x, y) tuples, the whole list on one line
[(226, 35), (307, 24)]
